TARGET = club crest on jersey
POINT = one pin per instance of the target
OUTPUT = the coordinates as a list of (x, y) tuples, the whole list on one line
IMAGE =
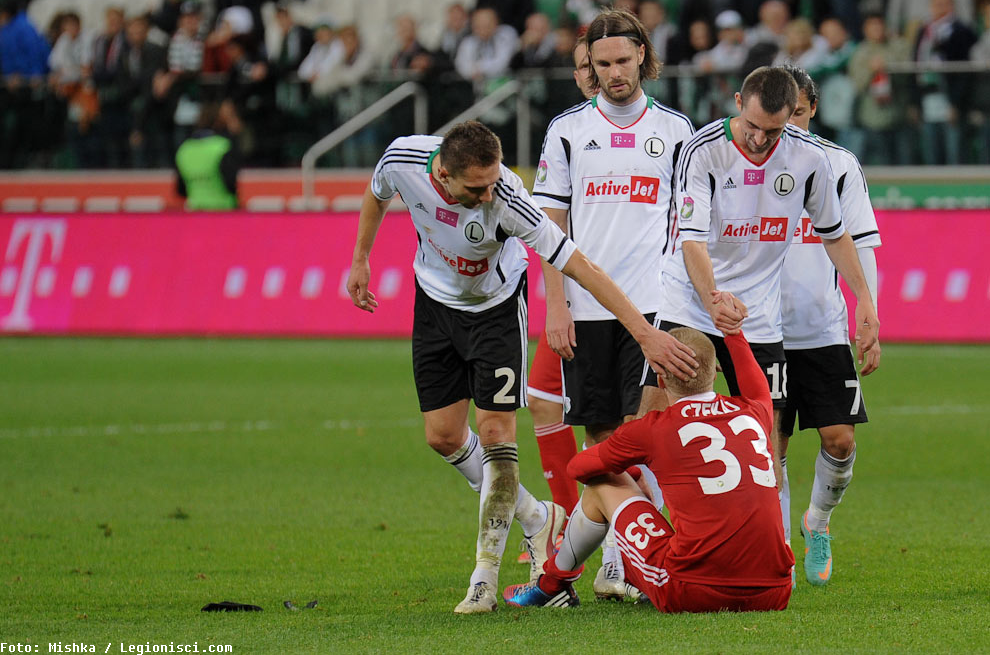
[(541, 172), (621, 188), (654, 146), (784, 184), (687, 207), (592, 145), (623, 140), (447, 217), (753, 177), (729, 184), (473, 232)]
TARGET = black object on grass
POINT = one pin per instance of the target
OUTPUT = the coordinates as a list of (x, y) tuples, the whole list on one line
[(230, 606)]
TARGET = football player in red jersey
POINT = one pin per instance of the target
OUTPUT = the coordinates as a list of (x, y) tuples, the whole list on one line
[(724, 546)]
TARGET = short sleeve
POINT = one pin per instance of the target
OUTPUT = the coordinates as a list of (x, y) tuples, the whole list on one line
[(553, 175), (857, 210), (693, 194), (519, 216), (381, 181), (822, 200)]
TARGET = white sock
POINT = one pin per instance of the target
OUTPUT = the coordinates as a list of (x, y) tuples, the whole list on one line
[(498, 500), (785, 501), (610, 553), (467, 460), (832, 476), (531, 513), (581, 537), (651, 481)]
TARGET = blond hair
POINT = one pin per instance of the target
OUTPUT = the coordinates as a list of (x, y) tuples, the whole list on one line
[(704, 352)]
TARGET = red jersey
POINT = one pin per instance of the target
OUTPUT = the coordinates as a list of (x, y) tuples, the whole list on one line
[(712, 457)]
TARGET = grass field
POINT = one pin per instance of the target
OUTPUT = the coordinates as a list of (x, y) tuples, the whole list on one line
[(140, 480)]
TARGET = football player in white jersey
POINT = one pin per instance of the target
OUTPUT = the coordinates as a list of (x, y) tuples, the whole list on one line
[(604, 177), (822, 386), (471, 215), (742, 185)]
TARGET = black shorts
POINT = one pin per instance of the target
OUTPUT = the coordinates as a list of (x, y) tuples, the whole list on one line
[(770, 357), (458, 354), (823, 389), (602, 381)]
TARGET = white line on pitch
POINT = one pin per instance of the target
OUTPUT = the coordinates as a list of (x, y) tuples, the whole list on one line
[(933, 410)]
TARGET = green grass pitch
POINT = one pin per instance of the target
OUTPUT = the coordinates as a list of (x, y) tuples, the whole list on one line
[(142, 479)]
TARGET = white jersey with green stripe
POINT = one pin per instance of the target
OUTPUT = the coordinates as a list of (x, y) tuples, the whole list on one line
[(615, 183), (814, 310), (467, 259), (747, 213)]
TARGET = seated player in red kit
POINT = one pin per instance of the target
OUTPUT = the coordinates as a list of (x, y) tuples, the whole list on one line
[(724, 547)]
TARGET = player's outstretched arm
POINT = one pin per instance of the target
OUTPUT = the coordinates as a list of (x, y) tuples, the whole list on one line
[(561, 336), (662, 351), (842, 252), (372, 214), (727, 311), (752, 382)]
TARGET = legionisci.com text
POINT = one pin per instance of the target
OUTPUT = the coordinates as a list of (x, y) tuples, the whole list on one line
[(140, 649)]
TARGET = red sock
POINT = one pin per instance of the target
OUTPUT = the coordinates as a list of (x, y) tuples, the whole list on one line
[(557, 447), (554, 579)]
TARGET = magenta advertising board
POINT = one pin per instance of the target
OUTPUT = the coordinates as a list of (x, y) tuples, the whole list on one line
[(284, 274)]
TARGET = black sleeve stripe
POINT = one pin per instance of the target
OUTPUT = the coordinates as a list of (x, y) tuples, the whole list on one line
[(567, 112), (807, 189), (529, 214), (567, 149), (696, 141), (691, 229), (498, 268), (556, 252), (566, 199), (863, 235), (828, 230), (692, 148), (399, 159), (840, 184), (413, 151), (672, 207), (711, 185)]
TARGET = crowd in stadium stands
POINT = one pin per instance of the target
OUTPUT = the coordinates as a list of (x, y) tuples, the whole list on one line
[(124, 88)]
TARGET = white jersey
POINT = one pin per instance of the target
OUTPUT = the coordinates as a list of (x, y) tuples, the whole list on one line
[(615, 181), (747, 214), (813, 308), (467, 259)]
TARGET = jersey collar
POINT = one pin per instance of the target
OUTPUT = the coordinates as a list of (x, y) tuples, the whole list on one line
[(649, 105), (436, 187), (704, 397)]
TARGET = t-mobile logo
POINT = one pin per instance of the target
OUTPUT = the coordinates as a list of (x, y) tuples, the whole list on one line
[(33, 233)]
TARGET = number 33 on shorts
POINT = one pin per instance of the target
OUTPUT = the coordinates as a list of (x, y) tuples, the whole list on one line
[(639, 533)]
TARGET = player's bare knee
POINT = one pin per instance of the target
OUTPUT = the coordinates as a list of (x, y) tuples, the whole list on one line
[(445, 440), (598, 433), (496, 427), (838, 441), (544, 412)]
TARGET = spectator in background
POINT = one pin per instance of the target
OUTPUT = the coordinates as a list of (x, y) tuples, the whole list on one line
[(178, 86), (653, 15), (906, 17), (287, 42), (729, 53), (879, 110), (536, 44), (207, 162), (24, 63), (327, 52), (802, 47), (838, 114), (455, 29), (980, 115), (772, 28), (167, 16), (111, 128), (484, 55), (231, 22), (71, 82), (412, 56), (250, 93), (510, 12), (942, 96), (140, 62), (355, 63)]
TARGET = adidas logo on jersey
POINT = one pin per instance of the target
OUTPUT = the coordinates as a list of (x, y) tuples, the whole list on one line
[(592, 146), (420, 205), (729, 184)]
